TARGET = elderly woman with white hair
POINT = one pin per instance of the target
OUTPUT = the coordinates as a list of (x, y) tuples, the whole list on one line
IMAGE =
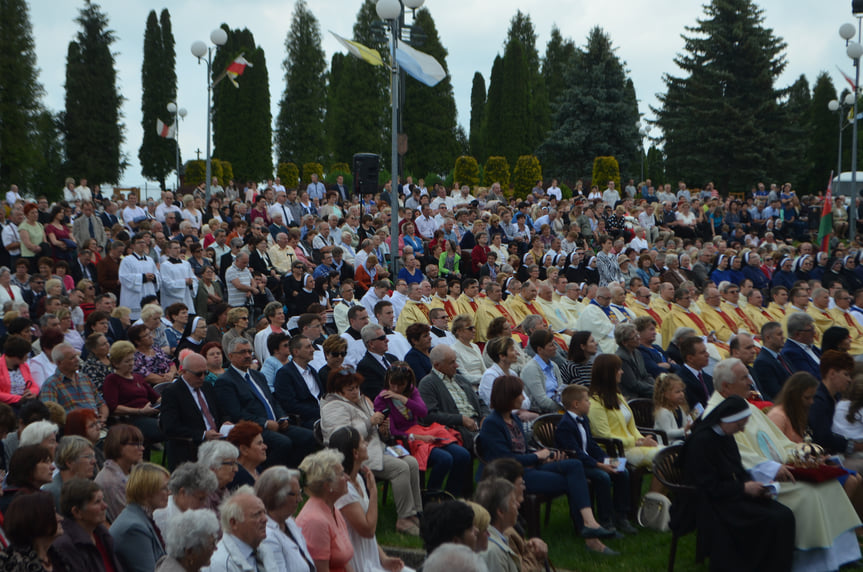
[(190, 541), (279, 489), (190, 485), (40, 433), (221, 458)]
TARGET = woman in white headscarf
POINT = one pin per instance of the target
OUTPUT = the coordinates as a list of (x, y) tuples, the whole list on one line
[(193, 337)]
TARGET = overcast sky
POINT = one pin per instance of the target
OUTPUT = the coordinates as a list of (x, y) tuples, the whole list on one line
[(646, 35)]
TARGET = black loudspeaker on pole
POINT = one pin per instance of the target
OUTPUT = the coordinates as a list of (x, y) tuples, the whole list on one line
[(367, 166)]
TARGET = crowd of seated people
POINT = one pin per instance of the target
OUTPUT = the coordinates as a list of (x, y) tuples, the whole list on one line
[(168, 369)]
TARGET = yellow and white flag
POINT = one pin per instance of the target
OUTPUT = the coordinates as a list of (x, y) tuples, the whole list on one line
[(360, 51)]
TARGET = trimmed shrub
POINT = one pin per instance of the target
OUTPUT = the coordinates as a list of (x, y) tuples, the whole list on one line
[(497, 170), (289, 174), (309, 168), (606, 169), (340, 167), (525, 175), (467, 171), (565, 191), (195, 172)]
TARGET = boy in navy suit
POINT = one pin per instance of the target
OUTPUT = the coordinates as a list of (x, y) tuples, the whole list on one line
[(573, 436)]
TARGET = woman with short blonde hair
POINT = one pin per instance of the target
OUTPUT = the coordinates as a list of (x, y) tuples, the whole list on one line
[(138, 543)]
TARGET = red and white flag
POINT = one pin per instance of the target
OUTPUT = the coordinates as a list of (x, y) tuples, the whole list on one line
[(236, 68), (166, 131)]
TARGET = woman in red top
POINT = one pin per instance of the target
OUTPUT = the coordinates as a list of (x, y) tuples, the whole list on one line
[(58, 234), (479, 254), (128, 394), (16, 381)]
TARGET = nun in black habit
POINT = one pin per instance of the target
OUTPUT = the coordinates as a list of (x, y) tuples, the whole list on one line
[(739, 526)]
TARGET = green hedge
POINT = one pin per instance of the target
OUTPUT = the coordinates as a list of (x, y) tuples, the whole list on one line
[(606, 169), (525, 175), (466, 171), (497, 171), (289, 174)]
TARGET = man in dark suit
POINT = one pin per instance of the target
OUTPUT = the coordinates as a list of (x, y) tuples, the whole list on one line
[(116, 330), (297, 387), (83, 267), (699, 385), (375, 363), (574, 437), (190, 413), (243, 394), (109, 215), (449, 397), (770, 368), (799, 351), (343, 190)]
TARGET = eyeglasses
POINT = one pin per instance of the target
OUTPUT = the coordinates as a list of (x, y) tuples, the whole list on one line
[(229, 463), (134, 443), (380, 338), (338, 354), (195, 373)]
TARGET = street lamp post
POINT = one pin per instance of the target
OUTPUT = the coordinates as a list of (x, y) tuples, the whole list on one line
[(199, 49), (392, 11), (178, 113), (839, 108), (854, 50)]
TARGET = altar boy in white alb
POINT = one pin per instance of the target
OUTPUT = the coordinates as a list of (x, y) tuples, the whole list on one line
[(178, 279), (139, 276)]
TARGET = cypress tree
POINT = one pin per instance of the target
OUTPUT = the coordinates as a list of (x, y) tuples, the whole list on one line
[(823, 143), (242, 122), (92, 122), (792, 164), (157, 155), (358, 97), (300, 124), (429, 113), (537, 107), (558, 61), (47, 140), (507, 121), (721, 120), (19, 97), (595, 115), (477, 107)]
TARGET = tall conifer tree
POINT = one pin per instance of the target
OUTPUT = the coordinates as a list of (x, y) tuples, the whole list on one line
[(358, 97), (823, 143), (242, 122), (19, 97), (300, 123), (429, 113), (595, 114), (157, 154), (92, 122), (721, 120), (477, 108)]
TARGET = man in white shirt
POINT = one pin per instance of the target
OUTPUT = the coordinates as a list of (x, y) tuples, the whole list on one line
[(611, 195), (139, 276), (324, 237), (554, 191), (133, 214), (425, 224), (178, 279), (647, 221), (10, 236), (358, 318), (442, 199), (167, 205), (238, 279), (241, 537), (13, 195), (83, 191), (440, 334), (373, 295), (399, 297), (278, 187), (283, 209)]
